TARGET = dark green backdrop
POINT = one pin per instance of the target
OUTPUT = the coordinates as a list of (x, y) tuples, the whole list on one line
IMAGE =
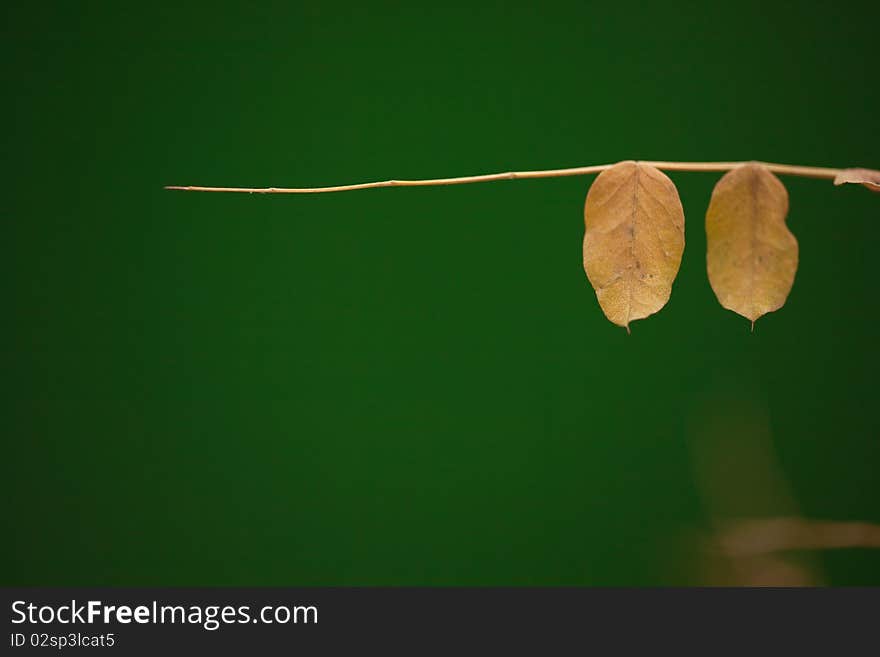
[(414, 386)]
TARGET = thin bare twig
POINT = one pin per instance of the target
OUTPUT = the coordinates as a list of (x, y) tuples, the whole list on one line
[(767, 535), (784, 169)]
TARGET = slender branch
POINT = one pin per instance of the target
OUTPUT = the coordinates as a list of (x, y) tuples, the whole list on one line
[(784, 169), (768, 535)]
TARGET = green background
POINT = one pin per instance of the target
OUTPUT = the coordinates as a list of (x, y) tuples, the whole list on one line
[(416, 386)]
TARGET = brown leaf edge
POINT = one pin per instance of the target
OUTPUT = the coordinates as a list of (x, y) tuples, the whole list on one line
[(867, 177)]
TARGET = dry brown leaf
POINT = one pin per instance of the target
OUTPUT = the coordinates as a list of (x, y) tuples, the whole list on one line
[(751, 256), (633, 240), (867, 177)]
